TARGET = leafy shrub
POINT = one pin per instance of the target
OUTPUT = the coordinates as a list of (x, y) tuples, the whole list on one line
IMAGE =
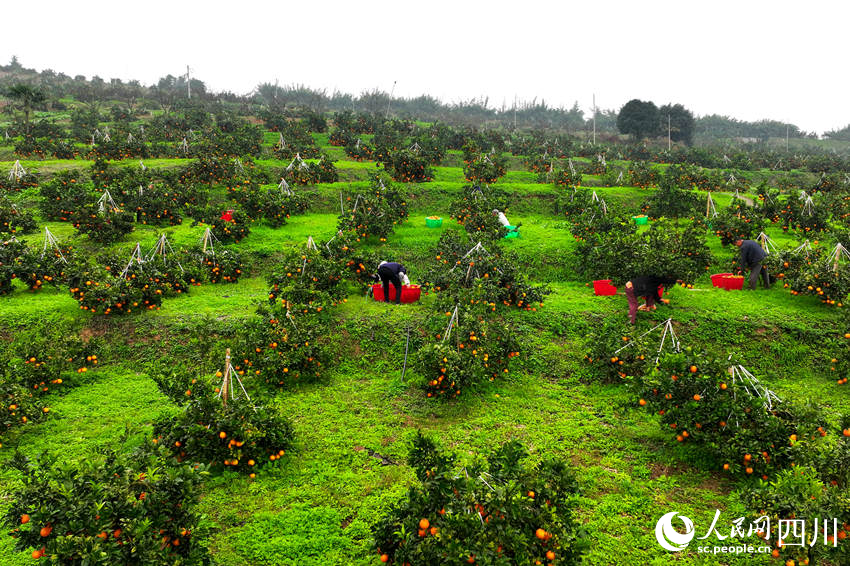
[(102, 226), (485, 168), (225, 231), (501, 512), (15, 221), (375, 214), (473, 208), (496, 277), (109, 509), (408, 166), (236, 434), (477, 350), (739, 422), (282, 350), (306, 281)]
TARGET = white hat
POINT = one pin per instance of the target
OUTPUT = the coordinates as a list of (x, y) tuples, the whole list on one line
[(382, 263)]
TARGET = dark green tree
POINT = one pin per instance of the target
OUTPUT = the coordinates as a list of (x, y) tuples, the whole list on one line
[(681, 122), (638, 119), (25, 98)]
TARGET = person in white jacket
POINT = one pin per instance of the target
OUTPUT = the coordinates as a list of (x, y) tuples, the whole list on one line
[(503, 220), (395, 273)]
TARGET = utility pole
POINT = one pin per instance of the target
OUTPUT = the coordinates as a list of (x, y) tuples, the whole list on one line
[(787, 126), (188, 83), (390, 100), (668, 132), (514, 111), (594, 118)]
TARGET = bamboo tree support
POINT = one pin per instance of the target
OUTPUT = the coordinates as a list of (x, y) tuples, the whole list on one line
[(572, 167), (452, 322), (805, 247), (106, 198), (710, 209), (280, 141), (17, 172), (836, 254), (184, 146), (130, 138), (285, 190), (163, 249), (207, 241), (226, 391), (51, 242), (135, 256), (238, 167), (142, 165), (311, 244), (766, 243), (406, 346), (753, 386), (667, 330)]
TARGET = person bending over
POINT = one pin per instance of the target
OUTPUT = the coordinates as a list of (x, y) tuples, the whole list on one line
[(391, 271), (752, 256), (648, 287)]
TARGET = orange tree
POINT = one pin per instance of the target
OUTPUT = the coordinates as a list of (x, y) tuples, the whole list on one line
[(473, 208), (642, 175), (478, 348), (458, 266), (733, 224), (613, 355), (237, 434), (222, 266), (102, 226), (113, 508), (225, 227), (13, 220), (282, 350), (408, 166), (374, 214), (65, 194), (485, 168), (739, 422), (305, 281), (499, 512), (661, 251)]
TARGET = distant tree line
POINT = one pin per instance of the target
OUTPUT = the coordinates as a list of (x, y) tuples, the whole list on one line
[(638, 119)]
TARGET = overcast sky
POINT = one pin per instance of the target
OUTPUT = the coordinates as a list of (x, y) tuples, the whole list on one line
[(748, 59)]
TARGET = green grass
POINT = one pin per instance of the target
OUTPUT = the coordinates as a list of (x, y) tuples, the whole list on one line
[(316, 504)]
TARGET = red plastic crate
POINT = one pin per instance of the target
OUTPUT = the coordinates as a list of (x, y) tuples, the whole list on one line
[(409, 293), (604, 287), (717, 277), (732, 283)]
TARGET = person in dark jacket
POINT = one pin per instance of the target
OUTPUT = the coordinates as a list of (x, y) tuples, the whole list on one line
[(648, 287), (390, 271), (752, 256)]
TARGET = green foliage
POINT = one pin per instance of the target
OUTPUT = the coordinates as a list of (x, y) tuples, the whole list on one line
[(285, 350), (408, 166), (111, 509), (103, 226), (485, 168), (13, 220), (476, 350), (737, 222), (375, 214), (237, 434), (638, 119), (474, 207), (661, 251), (501, 512), (305, 281), (494, 277)]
